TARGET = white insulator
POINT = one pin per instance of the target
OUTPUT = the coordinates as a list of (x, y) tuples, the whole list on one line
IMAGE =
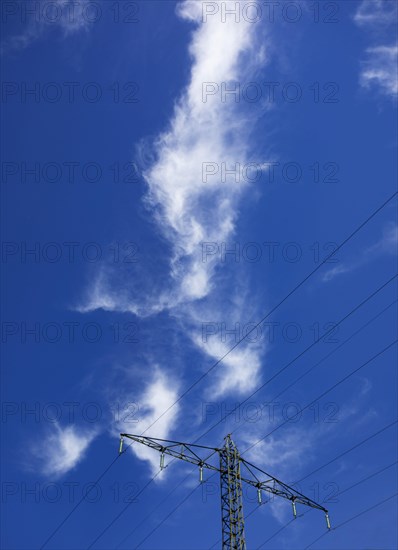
[(121, 445), (327, 521)]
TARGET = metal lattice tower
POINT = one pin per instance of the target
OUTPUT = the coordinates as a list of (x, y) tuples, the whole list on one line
[(229, 468), (233, 529)]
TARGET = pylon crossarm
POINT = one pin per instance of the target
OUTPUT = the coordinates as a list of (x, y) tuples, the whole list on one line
[(170, 442), (277, 487), (247, 465), (288, 495), (177, 449)]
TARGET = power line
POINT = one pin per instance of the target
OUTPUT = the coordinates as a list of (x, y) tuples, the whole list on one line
[(327, 391), (353, 517), (299, 355), (340, 493), (350, 449), (278, 531), (328, 355), (340, 456), (154, 509), (368, 477), (365, 511), (333, 386), (322, 395), (122, 511), (230, 468), (314, 471), (55, 531), (319, 397), (343, 243), (168, 515), (83, 498), (312, 402)]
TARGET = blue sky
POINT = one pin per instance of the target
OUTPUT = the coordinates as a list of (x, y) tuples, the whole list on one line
[(150, 218)]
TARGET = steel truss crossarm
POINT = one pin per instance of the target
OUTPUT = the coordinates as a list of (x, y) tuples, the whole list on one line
[(279, 488), (177, 449)]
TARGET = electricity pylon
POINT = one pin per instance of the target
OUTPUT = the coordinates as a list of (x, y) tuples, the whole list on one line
[(229, 467)]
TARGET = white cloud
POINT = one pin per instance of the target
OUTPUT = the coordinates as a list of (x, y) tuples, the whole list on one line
[(387, 244), (160, 394), (334, 271), (280, 453), (366, 386), (238, 372), (189, 208), (376, 13), (281, 457), (290, 454), (215, 326), (102, 296), (62, 449), (67, 16), (380, 70)]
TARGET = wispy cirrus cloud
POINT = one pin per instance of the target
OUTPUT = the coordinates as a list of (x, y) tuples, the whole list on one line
[(380, 70), (282, 456), (61, 450), (239, 371), (374, 13), (159, 394), (387, 244), (189, 209), (38, 17), (379, 67), (291, 453)]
